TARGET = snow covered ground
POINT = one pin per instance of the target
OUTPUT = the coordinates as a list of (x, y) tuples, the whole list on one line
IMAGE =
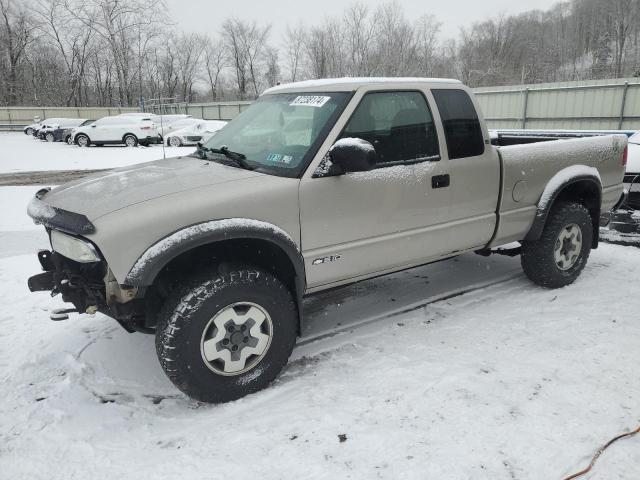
[(20, 153), (510, 381)]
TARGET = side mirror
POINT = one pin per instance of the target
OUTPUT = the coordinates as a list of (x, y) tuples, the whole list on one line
[(352, 155), (93, 126)]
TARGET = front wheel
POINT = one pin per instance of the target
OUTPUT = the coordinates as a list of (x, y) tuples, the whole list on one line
[(174, 142), (82, 140), (29, 131), (226, 335), (559, 256), (49, 137)]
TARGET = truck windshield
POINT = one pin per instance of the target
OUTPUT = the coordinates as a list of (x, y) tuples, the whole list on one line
[(279, 133)]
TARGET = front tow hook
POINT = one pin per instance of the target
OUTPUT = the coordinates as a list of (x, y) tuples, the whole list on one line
[(59, 314)]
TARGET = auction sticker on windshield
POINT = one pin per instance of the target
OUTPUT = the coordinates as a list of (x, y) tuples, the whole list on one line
[(310, 101)]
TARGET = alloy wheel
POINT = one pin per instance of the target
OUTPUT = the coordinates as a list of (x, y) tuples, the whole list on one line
[(236, 339), (568, 247)]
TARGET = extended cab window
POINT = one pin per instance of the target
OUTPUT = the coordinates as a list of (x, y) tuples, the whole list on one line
[(398, 124), (461, 124)]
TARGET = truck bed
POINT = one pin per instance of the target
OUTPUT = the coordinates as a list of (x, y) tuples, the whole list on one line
[(527, 170)]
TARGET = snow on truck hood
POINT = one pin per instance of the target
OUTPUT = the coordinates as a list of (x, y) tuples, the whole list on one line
[(103, 193)]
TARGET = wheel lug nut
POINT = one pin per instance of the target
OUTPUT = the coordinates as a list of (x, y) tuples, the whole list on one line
[(244, 327), (234, 348), (245, 339), (230, 329), (225, 341)]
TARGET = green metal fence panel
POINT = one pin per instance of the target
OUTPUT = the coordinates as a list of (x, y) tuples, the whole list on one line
[(594, 104), (27, 115)]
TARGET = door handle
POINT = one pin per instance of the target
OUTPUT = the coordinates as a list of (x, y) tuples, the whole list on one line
[(440, 181)]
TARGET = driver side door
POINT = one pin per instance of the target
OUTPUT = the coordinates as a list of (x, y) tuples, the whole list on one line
[(362, 224)]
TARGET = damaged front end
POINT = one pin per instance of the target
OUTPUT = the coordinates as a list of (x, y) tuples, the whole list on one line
[(80, 284), (76, 270)]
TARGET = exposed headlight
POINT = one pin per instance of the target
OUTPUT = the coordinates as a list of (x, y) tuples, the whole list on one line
[(73, 248)]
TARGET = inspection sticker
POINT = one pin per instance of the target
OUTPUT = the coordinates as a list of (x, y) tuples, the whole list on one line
[(310, 101), (278, 158)]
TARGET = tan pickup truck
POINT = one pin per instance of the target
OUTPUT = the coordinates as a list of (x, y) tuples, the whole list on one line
[(317, 184)]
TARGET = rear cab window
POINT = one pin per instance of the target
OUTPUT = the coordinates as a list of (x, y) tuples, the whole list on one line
[(460, 121), (398, 124)]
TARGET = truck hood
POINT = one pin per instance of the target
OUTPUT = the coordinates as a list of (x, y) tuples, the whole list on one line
[(103, 193)]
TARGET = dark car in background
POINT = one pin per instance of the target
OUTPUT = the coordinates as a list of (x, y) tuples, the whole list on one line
[(37, 127), (54, 132)]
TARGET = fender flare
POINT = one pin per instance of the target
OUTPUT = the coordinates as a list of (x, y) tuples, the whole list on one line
[(559, 182), (156, 257)]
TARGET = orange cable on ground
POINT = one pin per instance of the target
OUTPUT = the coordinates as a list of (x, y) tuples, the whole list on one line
[(599, 452)]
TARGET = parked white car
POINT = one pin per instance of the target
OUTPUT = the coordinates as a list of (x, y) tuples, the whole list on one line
[(166, 123), (200, 131), (167, 129), (127, 130), (28, 130)]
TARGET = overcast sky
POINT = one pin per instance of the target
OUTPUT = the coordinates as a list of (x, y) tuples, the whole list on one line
[(207, 15)]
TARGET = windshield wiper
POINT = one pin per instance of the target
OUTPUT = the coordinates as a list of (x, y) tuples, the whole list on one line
[(238, 158)]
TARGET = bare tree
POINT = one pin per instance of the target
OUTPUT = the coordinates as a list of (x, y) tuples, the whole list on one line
[(117, 22), (16, 33), (395, 42), (426, 33), (272, 73), (110, 52), (254, 41), (189, 51), (360, 28), (215, 61), (294, 41), (624, 14), (232, 34), (246, 44), (72, 41)]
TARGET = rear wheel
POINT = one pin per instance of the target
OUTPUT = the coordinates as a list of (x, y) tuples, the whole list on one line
[(69, 140), (82, 140), (130, 140), (561, 253), (226, 335)]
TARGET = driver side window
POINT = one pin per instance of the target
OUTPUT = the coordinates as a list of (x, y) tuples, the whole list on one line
[(398, 124)]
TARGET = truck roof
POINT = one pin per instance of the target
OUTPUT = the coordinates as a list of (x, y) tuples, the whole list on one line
[(353, 83)]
